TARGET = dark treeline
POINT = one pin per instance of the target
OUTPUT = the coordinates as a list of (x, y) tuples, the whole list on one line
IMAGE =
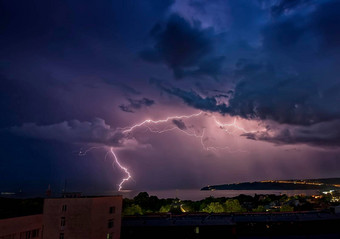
[(144, 204)]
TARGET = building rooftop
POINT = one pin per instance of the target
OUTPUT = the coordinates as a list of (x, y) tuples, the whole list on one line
[(223, 219)]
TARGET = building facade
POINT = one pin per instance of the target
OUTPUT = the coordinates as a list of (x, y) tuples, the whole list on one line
[(28, 227), (83, 218)]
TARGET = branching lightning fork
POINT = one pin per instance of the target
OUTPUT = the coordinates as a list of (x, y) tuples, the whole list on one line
[(233, 125), (130, 129), (116, 161), (122, 167), (224, 126), (192, 133)]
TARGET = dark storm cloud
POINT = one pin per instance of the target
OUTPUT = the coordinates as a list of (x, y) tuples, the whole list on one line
[(304, 32), (55, 29), (55, 25), (136, 104), (287, 5), (325, 134), (325, 25), (49, 49), (300, 84), (72, 59), (192, 98), (223, 93), (180, 124), (126, 88), (295, 80), (21, 100), (186, 48), (279, 88), (289, 99), (75, 131)]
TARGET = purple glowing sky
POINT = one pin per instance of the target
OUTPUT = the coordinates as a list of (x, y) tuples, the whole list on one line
[(75, 73)]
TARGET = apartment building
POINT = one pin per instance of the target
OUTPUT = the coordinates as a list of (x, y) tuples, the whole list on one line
[(27, 227), (83, 218)]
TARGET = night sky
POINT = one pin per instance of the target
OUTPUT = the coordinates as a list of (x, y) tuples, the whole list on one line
[(260, 77)]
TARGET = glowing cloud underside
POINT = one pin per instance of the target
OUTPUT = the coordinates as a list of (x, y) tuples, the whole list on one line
[(146, 123), (129, 129)]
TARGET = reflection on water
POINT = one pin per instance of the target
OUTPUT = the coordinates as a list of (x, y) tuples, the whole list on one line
[(183, 194), (196, 194)]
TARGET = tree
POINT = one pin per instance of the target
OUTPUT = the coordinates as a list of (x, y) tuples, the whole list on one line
[(142, 199), (214, 207), (133, 210), (233, 205), (165, 208), (148, 203), (286, 208), (260, 208)]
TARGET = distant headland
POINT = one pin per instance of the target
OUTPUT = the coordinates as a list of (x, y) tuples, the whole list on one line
[(293, 184)]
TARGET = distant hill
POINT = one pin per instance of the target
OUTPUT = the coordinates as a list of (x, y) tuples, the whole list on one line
[(324, 180), (297, 184)]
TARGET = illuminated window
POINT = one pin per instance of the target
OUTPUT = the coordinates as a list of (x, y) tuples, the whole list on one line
[(110, 223), (112, 210), (64, 208), (109, 236), (61, 236)]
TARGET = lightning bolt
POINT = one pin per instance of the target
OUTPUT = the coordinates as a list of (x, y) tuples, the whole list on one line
[(224, 126), (84, 152), (129, 129), (123, 168), (110, 151), (146, 123)]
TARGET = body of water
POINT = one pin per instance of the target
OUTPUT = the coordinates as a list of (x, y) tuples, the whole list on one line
[(196, 194), (183, 194)]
